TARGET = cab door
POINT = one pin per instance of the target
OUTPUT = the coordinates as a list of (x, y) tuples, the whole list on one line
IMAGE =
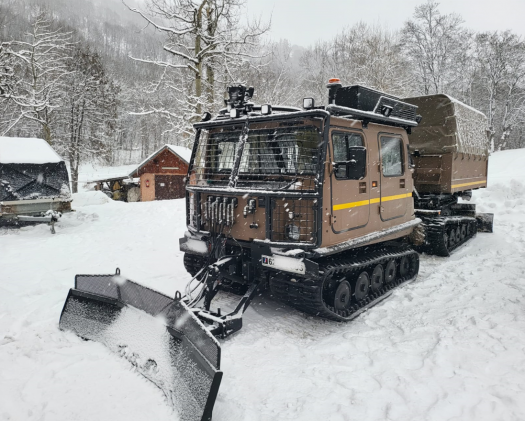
[(394, 194), (350, 193)]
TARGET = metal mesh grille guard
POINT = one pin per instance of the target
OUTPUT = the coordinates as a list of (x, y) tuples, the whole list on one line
[(261, 157), (168, 345)]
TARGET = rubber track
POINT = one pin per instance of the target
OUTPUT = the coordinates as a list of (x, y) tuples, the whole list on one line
[(435, 228), (193, 263), (307, 295)]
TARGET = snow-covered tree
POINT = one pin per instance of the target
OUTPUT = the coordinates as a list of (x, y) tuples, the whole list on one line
[(360, 54), (205, 42), (435, 44), (276, 75), (89, 112), (501, 61), (9, 116), (41, 59)]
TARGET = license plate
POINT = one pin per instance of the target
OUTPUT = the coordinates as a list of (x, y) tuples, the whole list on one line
[(267, 261), (284, 263)]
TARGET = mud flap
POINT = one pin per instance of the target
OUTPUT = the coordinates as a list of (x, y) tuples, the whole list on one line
[(160, 336), (485, 222)]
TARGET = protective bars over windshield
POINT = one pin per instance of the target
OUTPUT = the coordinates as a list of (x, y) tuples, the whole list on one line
[(276, 156)]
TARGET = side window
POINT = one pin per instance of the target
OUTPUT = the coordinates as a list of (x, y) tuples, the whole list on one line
[(392, 156), (344, 146)]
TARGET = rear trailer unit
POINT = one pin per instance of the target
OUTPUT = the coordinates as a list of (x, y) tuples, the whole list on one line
[(450, 153), (450, 146)]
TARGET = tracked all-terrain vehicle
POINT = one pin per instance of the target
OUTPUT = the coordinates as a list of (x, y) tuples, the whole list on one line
[(322, 206)]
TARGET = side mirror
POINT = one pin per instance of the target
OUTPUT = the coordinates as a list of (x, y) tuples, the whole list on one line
[(356, 166), (411, 163)]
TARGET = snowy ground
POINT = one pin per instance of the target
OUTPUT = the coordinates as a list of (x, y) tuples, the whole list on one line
[(450, 346)]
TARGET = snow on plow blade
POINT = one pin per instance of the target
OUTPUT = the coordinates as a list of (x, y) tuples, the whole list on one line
[(158, 335)]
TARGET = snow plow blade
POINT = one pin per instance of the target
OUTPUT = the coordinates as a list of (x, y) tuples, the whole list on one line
[(485, 222), (163, 340)]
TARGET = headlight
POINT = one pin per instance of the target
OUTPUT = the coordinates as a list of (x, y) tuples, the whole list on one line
[(293, 220), (308, 103), (235, 113), (266, 109), (293, 232)]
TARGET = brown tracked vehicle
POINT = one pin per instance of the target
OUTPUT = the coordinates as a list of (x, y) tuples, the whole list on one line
[(320, 205), (317, 204)]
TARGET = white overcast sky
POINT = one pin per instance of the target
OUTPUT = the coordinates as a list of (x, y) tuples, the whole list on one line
[(303, 22)]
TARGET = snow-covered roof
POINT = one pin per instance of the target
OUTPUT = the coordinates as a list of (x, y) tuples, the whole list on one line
[(23, 150), (98, 174), (182, 152)]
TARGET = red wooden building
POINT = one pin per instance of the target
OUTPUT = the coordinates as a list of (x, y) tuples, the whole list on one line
[(162, 173)]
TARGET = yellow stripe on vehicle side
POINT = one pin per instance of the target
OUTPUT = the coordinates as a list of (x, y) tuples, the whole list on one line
[(398, 196), (371, 201), (351, 205), (454, 186)]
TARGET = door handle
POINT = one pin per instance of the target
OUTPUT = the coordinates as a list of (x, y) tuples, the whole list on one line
[(402, 183)]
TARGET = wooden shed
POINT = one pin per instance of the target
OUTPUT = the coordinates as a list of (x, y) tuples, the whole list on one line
[(162, 173)]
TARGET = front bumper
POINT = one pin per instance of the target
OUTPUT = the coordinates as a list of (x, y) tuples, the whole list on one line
[(256, 259)]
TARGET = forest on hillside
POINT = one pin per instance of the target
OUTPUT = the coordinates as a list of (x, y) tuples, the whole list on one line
[(112, 81)]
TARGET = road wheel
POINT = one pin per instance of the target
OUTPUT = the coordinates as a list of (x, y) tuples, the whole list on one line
[(413, 265), (446, 239), (404, 266), (193, 263), (343, 296), (362, 284), (376, 282), (473, 228), (390, 271), (458, 234), (451, 238), (463, 231)]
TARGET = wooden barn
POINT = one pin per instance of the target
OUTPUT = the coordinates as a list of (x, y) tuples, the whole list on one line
[(162, 173)]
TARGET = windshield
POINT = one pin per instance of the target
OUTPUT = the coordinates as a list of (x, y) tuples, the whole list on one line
[(270, 154)]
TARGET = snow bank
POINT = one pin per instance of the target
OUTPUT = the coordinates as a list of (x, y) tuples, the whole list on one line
[(20, 150), (89, 198)]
